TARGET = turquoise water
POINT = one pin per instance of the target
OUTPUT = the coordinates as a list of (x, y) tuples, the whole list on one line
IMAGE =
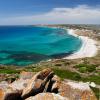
[(23, 45)]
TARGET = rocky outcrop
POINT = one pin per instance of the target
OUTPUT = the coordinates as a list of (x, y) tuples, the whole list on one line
[(47, 96), (37, 83), (22, 82), (8, 77), (26, 75), (56, 82), (76, 91), (44, 85), (9, 94), (14, 90)]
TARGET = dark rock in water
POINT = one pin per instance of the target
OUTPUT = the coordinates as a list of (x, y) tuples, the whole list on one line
[(8, 51), (61, 55), (22, 58), (13, 52), (28, 57)]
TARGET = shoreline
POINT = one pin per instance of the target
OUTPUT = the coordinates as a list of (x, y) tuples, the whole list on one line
[(88, 48)]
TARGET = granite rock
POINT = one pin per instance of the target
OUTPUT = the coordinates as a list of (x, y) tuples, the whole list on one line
[(37, 83), (47, 96)]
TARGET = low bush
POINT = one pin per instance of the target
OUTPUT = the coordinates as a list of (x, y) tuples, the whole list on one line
[(82, 69), (86, 67)]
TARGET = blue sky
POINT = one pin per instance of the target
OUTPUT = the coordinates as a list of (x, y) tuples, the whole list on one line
[(49, 11)]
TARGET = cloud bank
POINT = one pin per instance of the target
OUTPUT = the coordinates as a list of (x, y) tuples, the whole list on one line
[(81, 14)]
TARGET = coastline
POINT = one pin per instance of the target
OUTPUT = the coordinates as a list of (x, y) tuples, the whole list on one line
[(88, 48)]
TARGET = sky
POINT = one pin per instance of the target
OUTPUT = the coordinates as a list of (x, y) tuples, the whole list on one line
[(28, 12)]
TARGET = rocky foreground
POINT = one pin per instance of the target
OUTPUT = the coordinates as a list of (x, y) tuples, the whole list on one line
[(44, 85)]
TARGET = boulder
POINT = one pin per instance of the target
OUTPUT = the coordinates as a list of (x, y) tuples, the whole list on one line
[(22, 82), (4, 84), (76, 91), (44, 86), (37, 83), (19, 84), (47, 96), (9, 94), (47, 86), (56, 84), (26, 75), (1, 94), (53, 85), (8, 77)]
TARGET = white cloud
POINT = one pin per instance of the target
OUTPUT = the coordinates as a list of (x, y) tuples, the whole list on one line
[(81, 14)]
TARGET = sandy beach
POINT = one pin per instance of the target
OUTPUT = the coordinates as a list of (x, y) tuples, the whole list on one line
[(88, 48)]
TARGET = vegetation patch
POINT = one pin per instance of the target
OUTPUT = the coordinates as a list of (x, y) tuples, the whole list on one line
[(86, 68), (92, 78), (67, 74), (9, 71)]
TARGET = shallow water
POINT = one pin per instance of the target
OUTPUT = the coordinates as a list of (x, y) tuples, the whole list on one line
[(23, 45)]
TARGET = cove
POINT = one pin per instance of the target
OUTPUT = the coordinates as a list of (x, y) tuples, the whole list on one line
[(24, 45)]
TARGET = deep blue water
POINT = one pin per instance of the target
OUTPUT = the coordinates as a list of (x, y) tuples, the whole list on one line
[(23, 45)]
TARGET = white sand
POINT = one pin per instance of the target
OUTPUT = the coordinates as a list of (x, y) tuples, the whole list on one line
[(88, 48)]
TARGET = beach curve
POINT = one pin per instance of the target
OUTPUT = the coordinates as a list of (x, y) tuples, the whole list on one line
[(88, 48)]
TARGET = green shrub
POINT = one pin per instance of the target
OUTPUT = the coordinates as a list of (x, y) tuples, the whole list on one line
[(86, 67), (81, 65), (91, 68), (83, 69), (77, 77), (9, 71), (65, 74), (92, 78)]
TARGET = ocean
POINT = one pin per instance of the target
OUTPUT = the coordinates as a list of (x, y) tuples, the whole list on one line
[(24, 45)]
